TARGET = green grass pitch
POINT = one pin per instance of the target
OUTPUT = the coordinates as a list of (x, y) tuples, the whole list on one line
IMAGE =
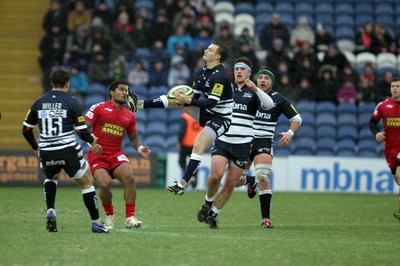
[(310, 229)]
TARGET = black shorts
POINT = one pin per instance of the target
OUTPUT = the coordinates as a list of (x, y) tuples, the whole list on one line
[(237, 153), (218, 125), (262, 146), (70, 159)]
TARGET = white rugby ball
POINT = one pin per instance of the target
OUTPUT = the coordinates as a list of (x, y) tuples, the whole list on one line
[(187, 90)]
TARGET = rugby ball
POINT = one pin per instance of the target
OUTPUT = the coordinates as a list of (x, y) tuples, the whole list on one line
[(187, 90)]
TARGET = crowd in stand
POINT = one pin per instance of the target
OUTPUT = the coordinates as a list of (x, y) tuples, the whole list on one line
[(162, 45)]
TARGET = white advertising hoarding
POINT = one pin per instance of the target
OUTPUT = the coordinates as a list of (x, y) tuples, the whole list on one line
[(310, 174)]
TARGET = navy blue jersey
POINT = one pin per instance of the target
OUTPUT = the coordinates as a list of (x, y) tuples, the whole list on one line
[(214, 84), (58, 115), (246, 104), (266, 120)]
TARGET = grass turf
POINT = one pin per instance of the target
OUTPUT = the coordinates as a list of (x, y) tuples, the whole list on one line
[(310, 229)]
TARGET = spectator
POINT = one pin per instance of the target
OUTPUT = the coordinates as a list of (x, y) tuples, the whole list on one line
[(383, 87), (100, 37), (205, 19), (347, 93), (327, 85), (276, 55), (80, 16), (297, 63), (368, 73), (138, 76), (305, 90), (52, 47), (158, 74), (161, 29), (117, 69), (184, 11), (274, 30), (179, 72), (122, 42), (306, 70), (335, 58), (366, 93), (158, 52), (364, 38), (246, 50), (179, 38), (141, 34), (246, 37), (284, 86), (202, 40), (79, 45), (301, 33), (55, 16), (348, 73), (225, 36), (382, 41), (98, 70), (79, 83), (103, 11), (322, 39)]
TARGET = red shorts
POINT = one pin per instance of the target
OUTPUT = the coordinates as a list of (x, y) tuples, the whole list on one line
[(392, 157), (108, 162)]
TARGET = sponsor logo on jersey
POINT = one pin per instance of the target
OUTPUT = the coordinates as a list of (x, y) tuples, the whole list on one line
[(393, 121), (89, 114), (217, 89), (108, 109), (52, 162), (247, 95), (239, 106), (81, 119), (113, 129), (55, 113)]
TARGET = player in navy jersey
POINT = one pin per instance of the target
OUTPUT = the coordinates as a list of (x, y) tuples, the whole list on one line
[(59, 116), (213, 111), (232, 149), (389, 111), (262, 146)]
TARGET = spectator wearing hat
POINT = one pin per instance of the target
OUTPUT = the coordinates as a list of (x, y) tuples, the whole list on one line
[(301, 33), (274, 30)]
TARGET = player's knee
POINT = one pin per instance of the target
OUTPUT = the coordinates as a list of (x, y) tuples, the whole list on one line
[(263, 172)]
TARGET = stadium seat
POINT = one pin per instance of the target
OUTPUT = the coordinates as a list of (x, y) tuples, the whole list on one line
[(141, 127), (387, 21), (345, 33), (346, 45), (346, 108), (325, 19), (346, 147), (365, 133), (156, 91), (348, 132), (325, 146), (347, 119), (302, 8), (174, 114), (97, 88), (325, 107), (386, 59), (93, 99), (365, 57), (284, 7), (242, 21), (326, 119), (350, 56), (363, 18), (304, 146), (366, 107), (282, 151), (344, 20), (223, 7), (363, 120), (171, 142), (174, 128), (264, 8), (308, 118), (224, 18), (305, 106), (324, 8), (287, 20), (344, 8), (141, 116), (310, 19), (156, 142), (157, 114), (380, 72), (244, 8), (367, 148), (305, 131), (383, 9), (364, 7), (326, 131), (156, 127)]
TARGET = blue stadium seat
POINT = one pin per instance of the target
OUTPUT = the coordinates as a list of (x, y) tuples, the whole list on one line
[(364, 7), (141, 127), (171, 143), (141, 91), (304, 146), (282, 151), (346, 147), (385, 20), (367, 148), (156, 142), (173, 129), (284, 7), (244, 8), (305, 106), (363, 120), (344, 8), (348, 132), (324, 8), (366, 107), (93, 99), (384, 9), (97, 88), (308, 118), (156, 114), (326, 131), (302, 8), (325, 19), (362, 18), (306, 131), (156, 127), (141, 116), (346, 108), (325, 107), (156, 91), (344, 20), (310, 19), (326, 119), (174, 115), (365, 133), (346, 119), (345, 33), (264, 7), (287, 20), (325, 146)]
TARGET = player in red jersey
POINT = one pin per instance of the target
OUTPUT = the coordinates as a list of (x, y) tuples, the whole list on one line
[(110, 120), (389, 111)]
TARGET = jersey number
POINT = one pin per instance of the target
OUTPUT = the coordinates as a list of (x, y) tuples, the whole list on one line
[(51, 126)]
